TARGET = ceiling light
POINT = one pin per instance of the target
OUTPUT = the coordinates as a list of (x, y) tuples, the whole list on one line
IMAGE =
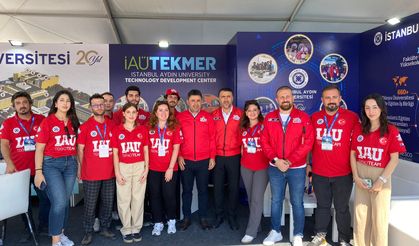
[(163, 43), (15, 43), (393, 21)]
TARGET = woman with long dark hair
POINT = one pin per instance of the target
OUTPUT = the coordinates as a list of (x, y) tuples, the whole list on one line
[(56, 163), (254, 166), (164, 144), (376, 145), (129, 143)]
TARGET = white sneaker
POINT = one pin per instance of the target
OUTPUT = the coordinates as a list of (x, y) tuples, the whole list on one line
[(247, 239), (115, 215), (96, 225), (158, 227), (65, 241), (272, 238), (171, 227), (298, 241)]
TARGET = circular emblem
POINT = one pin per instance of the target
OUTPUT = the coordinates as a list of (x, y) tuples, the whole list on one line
[(262, 68), (378, 38), (333, 68), (300, 106), (236, 117), (141, 117), (266, 104), (93, 134), (244, 133), (152, 132), (139, 135), (55, 129), (16, 130), (320, 121), (342, 122), (121, 136), (298, 78), (35, 128), (298, 49), (383, 140), (360, 138)]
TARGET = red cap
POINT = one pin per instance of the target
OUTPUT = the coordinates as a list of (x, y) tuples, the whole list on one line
[(172, 92)]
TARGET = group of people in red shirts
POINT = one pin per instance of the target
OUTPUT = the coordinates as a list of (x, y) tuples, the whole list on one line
[(135, 149)]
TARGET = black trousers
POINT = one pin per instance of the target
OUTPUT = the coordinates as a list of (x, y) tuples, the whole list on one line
[(338, 190), (195, 170), (162, 196), (226, 166), (92, 189)]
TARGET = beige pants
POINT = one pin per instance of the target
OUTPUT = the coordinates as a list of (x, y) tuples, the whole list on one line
[(131, 198), (371, 210)]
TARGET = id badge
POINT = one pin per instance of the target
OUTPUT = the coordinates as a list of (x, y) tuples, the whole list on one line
[(162, 150), (251, 147), (327, 143), (29, 145), (103, 151)]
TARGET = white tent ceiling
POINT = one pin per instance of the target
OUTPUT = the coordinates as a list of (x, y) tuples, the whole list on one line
[(186, 21)]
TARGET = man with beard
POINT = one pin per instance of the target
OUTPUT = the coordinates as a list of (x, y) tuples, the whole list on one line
[(132, 95), (172, 97), (109, 104), (228, 144), (97, 170), (17, 135), (332, 176), (287, 138)]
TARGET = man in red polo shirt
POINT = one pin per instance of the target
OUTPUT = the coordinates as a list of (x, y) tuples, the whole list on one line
[(17, 135), (132, 95), (97, 171), (228, 144)]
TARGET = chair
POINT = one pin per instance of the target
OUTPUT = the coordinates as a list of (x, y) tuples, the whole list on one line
[(14, 194)]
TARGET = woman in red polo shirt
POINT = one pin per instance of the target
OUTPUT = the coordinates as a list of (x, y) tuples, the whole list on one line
[(254, 166), (56, 163), (376, 145), (129, 143), (164, 144)]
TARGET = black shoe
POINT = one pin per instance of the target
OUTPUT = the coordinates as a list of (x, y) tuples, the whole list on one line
[(234, 225), (128, 238), (185, 224), (107, 233), (137, 237), (205, 225), (87, 239), (218, 222)]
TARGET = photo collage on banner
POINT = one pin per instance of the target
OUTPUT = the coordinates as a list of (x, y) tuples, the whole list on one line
[(180, 67), (306, 62), (390, 66), (43, 69)]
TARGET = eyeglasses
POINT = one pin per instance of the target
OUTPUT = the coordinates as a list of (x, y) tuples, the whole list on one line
[(98, 105)]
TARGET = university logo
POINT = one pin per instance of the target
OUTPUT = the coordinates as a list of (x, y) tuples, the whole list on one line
[(296, 120), (244, 133), (203, 119), (378, 38), (152, 132), (121, 136), (236, 117), (320, 121), (93, 134), (141, 117), (360, 138), (16, 130), (298, 78), (55, 129)]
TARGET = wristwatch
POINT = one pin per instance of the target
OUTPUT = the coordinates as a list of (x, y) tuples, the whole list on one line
[(273, 161), (384, 180)]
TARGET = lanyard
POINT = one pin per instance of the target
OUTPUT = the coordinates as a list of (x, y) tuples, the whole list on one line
[(161, 136), (23, 127), (254, 131), (333, 122), (100, 134), (285, 124)]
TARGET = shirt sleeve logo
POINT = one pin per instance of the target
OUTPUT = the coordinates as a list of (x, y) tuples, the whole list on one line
[(16, 130), (55, 129), (93, 134), (121, 136)]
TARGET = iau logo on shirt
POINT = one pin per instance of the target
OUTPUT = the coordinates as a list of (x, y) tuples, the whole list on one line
[(141, 117), (121, 136), (320, 121), (93, 134), (55, 129), (360, 138), (152, 132), (16, 130)]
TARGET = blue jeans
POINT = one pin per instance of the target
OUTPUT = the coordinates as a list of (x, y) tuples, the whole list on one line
[(296, 181), (60, 175)]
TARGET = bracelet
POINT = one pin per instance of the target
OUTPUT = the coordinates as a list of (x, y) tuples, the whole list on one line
[(384, 180), (36, 169)]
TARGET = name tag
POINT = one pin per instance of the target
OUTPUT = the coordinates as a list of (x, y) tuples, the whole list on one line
[(29, 145), (327, 143), (103, 151), (161, 150), (251, 147)]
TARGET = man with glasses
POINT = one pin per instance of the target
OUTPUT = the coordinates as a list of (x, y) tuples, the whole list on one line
[(97, 170)]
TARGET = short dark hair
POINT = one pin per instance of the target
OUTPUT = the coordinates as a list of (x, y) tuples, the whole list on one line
[(331, 87), (107, 93), (95, 96), (225, 89), (132, 88), (21, 94), (284, 87), (194, 92)]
